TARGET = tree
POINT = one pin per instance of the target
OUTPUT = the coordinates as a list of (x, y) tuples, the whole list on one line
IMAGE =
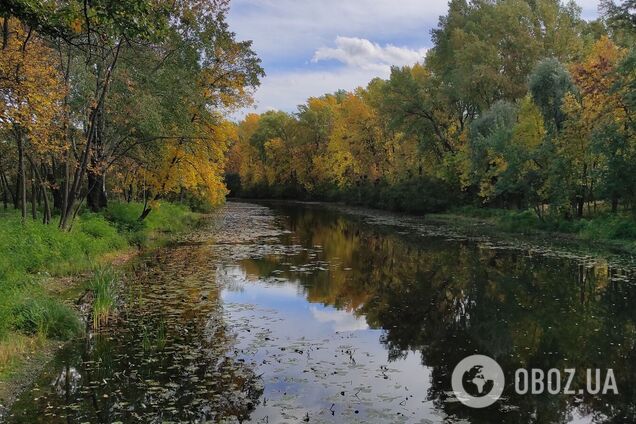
[(194, 164), (596, 138), (549, 83), (415, 105), (31, 93), (491, 139)]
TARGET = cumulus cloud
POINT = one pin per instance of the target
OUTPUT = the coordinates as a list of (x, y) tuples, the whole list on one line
[(284, 28), (286, 90), (360, 61), (362, 53)]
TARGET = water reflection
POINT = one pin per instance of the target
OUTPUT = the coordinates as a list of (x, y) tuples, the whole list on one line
[(445, 300), (294, 313)]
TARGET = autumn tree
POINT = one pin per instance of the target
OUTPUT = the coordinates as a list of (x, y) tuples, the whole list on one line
[(31, 93)]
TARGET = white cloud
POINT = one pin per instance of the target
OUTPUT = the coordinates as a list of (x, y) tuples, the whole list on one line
[(362, 53), (286, 90), (361, 61), (284, 28)]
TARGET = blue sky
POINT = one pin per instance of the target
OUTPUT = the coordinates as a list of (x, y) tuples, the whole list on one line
[(312, 47)]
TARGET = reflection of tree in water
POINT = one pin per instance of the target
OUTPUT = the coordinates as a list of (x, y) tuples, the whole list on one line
[(168, 360), (448, 300)]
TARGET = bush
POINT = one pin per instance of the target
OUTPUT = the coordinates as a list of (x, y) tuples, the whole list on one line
[(613, 227), (46, 317), (125, 216), (521, 222)]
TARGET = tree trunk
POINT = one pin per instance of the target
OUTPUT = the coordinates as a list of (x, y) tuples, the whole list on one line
[(580, 203), (34, 197), (5, 195), (18, 185), (46, 218), (93, 131), (145, 213), (67, 186), (7, 189), (96, 198), (21, 177), (614, 204)]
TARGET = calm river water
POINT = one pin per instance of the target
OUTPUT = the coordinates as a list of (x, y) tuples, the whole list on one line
[(305, 313)]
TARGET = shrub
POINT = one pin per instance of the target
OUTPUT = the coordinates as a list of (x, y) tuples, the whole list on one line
[(521, 222)]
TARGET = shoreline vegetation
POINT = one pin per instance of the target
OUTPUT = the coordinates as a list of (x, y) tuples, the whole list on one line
[(604, 232), (57, 285)]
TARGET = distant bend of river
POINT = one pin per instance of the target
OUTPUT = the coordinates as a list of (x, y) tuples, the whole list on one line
[(288, 312)]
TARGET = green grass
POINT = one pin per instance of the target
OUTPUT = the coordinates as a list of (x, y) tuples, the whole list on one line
[(30, 252), (44, 316), (604, 226), (103, 285), (164, 218)]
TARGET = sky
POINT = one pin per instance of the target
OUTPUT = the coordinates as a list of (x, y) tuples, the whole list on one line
[(313, 47)]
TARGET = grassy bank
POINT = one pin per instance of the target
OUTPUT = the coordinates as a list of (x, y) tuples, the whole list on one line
[(43, 271), (613, 230)]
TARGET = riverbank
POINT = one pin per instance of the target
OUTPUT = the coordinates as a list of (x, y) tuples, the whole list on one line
[(52, 281), (615, 233)]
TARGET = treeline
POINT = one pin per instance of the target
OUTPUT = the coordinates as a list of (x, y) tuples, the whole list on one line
[(519, 104), (117, 98)]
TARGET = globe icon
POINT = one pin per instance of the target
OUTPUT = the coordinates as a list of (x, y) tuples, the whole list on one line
[(476, 382)]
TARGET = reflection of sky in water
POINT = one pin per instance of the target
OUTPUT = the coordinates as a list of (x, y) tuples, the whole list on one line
[(287, 297), (340, 320), (316, 359)]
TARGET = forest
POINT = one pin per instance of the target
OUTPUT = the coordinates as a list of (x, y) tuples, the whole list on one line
[(519, 105), (138, 91)]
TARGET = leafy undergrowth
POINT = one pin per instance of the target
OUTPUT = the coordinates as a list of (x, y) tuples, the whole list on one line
[(32, 255)]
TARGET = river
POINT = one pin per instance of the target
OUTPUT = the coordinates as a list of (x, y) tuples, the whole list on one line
[(288, 312)]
